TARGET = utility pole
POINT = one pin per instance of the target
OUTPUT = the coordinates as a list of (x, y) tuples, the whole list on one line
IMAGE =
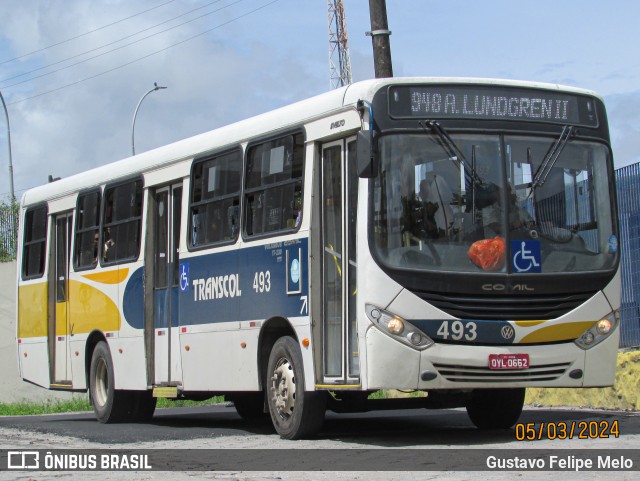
[(6, 113), (380, 38)]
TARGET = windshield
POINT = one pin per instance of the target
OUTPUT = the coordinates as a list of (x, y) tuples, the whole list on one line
[(493, 203)]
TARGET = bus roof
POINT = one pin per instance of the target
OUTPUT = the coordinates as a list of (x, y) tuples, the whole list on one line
[(244, 130)]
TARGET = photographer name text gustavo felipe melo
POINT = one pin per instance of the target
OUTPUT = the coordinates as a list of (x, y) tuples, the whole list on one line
[(561, 463)]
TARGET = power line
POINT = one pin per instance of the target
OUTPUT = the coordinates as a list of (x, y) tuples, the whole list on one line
[(114, 49), (145, 56), (86, 33), (108, 44)]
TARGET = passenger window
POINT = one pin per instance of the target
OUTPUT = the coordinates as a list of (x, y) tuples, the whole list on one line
[(87, 241), (273, 186), (35, 243), (122, 216), (215, 200)]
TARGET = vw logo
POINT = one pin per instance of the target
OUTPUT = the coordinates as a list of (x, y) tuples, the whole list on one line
[(507, 332)]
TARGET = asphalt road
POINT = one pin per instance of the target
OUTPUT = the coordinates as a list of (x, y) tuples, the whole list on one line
[(409, 432), (416, 427)]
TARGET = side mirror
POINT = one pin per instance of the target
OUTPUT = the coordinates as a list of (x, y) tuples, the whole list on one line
[(367, 160)]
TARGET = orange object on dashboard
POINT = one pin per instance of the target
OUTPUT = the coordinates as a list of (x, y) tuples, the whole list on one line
[(488, 254)]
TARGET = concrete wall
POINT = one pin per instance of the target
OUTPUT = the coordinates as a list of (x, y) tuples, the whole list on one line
[(12, 388)]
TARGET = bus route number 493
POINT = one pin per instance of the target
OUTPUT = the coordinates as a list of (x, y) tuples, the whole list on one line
[(262, 281), (457, 330)]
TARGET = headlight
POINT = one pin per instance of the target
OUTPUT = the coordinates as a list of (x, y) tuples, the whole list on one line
[(599, 331), (398, 328)]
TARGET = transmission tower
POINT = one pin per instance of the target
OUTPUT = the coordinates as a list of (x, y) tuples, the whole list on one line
[(339, 58)]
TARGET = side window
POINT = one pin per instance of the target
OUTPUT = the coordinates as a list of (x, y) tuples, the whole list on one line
[(35, 243), (215, 200), (87, 235), (122, 216), (273, 186)]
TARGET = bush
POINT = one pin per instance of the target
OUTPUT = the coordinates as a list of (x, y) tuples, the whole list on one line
[(8, 230)]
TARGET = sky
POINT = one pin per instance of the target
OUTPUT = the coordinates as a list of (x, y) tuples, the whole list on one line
[(73, 71)]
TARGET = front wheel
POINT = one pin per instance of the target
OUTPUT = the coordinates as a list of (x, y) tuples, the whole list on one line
[(495, 408), (295, 413)]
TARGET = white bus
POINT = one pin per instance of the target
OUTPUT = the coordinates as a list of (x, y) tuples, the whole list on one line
[(451, 236)]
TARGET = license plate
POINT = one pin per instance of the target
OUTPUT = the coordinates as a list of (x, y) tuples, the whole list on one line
[(508, 361)]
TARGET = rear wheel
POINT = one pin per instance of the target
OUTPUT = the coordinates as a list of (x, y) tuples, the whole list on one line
[(109, 405), (295, 413), (495, 408)]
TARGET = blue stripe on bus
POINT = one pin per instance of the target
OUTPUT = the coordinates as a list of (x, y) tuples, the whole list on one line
[(470, 331), (244, 284), (133, 300)]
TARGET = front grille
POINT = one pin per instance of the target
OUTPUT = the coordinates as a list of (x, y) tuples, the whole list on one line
[(457, 373), (469, 306)]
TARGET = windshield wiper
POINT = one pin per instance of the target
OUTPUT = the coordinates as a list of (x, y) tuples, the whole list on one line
[(551, 158), (451, 149)]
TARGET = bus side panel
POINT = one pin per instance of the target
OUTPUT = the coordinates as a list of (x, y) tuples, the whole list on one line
[(129, 366), (600, 362), (92, 306), (384, 368), (213, 358), (224, 298), (302, 326), (34, 361), (77, 347), (33, 354)]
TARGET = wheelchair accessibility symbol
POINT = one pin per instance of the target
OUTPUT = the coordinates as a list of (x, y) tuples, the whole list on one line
[(525, 256), (184, 277)]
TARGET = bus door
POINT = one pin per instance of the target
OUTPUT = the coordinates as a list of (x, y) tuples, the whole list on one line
[(167, 213), (60, 332), (338, 216)]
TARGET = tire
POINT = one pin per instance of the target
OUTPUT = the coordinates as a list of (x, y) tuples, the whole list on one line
[(144, 405), (495, 408), (250, 405), (109, 404), (295, 413)]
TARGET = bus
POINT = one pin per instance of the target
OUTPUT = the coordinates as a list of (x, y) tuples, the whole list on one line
[(453, 237)]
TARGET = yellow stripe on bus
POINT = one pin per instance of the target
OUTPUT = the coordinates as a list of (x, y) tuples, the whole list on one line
[(558, 332), (529, 323), (109, 277), (32, 310), (92, 309), (89, 309)]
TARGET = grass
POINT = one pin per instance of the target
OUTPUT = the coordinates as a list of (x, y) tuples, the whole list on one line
[(624, 395), (29, 408), (26, 408), (393, 393)]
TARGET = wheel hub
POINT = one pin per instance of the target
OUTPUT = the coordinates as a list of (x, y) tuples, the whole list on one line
[(283, 388), (102, 383)]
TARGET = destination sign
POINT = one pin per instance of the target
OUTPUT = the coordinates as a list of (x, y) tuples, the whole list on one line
[(491, 103)]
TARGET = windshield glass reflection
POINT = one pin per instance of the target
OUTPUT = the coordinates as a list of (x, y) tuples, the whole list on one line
[(483, 205)]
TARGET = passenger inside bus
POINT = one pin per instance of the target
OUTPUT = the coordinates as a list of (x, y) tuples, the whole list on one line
[(109, 245), (96, 242)]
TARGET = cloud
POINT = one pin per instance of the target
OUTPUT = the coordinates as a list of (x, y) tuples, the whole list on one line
[(212, 80), (623, 111)]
